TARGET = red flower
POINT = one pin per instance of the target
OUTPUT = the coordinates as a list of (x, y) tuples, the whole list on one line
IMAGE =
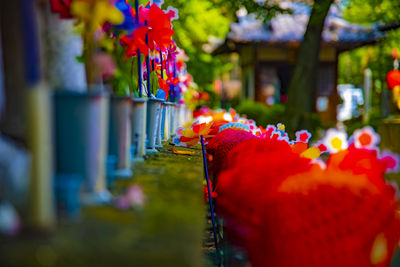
[(62, 7)]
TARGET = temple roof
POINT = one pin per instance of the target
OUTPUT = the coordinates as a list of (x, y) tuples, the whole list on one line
[(290, 28)]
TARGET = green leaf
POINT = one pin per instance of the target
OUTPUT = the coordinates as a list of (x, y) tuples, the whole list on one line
[(154, 82)]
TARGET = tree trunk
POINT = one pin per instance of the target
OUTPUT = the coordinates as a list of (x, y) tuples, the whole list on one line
[(302, 90)]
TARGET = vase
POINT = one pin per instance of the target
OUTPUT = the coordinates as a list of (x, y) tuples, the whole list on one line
[(181, 115), (165, 121), (81, 122), (138, 136), (171, 118), (153, 114), (119, 138), (159, 131), (67, 188), (174, 118), (188, 114)]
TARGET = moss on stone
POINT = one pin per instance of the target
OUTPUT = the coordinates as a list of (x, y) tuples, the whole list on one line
[(167, 231)]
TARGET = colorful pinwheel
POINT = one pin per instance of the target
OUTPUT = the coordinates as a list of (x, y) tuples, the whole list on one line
[(129, 23), (95, 12), (191, 136), (159, 24)]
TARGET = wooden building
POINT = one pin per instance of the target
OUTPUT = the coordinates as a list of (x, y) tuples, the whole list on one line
[(268, 53)]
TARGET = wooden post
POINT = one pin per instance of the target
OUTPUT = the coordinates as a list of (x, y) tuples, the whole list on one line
[(367, 94)]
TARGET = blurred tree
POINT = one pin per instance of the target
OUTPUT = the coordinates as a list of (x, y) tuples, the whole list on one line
[(368, 11), (198, 21), (264, 10), (378, 57), (303, 86), (201, 21)]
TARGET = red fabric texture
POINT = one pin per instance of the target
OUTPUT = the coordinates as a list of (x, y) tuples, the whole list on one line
[(287, 211), (220, 145)]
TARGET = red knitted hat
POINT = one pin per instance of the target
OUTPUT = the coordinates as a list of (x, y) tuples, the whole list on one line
[(289, 212), (219, 146)]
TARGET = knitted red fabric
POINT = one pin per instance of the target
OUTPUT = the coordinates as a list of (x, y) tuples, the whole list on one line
[(288, 212), (361, 161), (332, 219), (256, 167), (219, 146)]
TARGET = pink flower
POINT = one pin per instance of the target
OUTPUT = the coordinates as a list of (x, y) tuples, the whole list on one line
[(105, 64), (391, 161), (134, 197), (303, 136)]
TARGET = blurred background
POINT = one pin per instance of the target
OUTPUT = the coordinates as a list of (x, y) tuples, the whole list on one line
[(241, 53)]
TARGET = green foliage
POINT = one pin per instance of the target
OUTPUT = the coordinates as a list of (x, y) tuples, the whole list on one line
[(253, 110), (367, 11), (264, 115), (264, 10), (214, 100), (200, 20), (260, 113), (378, 57), (125, 78), (357, 123), (167, 231), (154, 82)]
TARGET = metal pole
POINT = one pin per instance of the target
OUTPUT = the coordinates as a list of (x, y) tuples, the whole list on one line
[(138, 53), (162, 68), (176, 94), (209, 197), (148, 65)]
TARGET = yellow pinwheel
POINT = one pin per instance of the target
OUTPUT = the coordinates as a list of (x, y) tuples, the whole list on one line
[(95, 12)]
